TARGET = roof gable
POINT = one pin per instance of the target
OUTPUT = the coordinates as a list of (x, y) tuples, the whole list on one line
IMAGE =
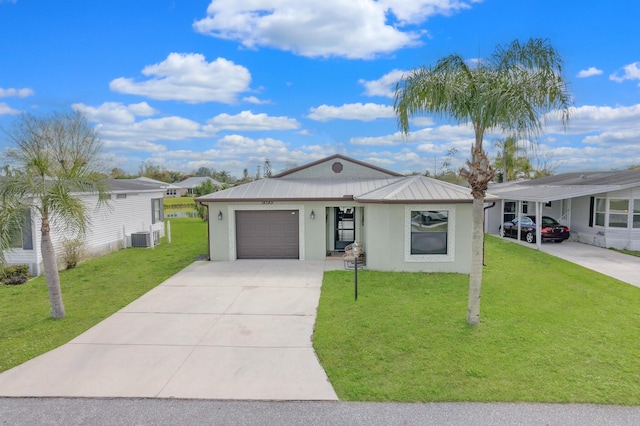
[(339, 167)]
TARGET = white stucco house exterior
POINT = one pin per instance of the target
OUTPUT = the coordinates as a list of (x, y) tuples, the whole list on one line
[(135, 207), (600, 208), (406, 223)]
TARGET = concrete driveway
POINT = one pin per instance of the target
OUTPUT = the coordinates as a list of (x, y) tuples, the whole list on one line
[(216, 330)]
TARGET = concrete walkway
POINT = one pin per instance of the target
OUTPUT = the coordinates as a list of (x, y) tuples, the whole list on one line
[(621, 266), (216, 330)]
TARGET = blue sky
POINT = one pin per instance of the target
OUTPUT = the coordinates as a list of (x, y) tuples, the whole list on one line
[(224, 84)]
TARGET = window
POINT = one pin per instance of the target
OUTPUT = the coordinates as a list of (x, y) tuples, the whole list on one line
[(23, 238), (636, 213), (121, 196), (157, 210), (618, 213), (171, 192), (601, 207), (429, 229)]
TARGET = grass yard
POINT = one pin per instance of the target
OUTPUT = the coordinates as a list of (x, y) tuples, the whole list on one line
[(179, 202), (551, 331), (91, 292)]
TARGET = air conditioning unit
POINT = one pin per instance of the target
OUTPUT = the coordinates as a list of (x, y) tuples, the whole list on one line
[(140, 239)]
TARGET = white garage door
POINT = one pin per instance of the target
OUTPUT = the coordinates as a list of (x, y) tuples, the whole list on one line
[(267, 234)]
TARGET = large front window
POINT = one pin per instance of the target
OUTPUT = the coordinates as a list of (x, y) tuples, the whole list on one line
[(636, 213), (618, 213), (429, 229)]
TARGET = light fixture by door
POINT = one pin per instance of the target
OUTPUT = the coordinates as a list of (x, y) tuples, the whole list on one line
[(312, 215), (219, 214)]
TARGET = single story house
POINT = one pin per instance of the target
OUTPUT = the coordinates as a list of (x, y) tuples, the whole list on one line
[(134, 215), (405, 223), (600, 208), (171, 190), (188, 185)]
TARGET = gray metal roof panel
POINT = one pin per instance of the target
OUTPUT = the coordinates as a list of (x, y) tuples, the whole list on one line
[(417, 189), (393, 189)]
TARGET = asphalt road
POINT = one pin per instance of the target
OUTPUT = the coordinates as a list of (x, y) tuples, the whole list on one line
[(84, 411)]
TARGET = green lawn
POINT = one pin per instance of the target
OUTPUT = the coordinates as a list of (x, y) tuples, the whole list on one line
[(91, 292), (179, 202), (551, 331)]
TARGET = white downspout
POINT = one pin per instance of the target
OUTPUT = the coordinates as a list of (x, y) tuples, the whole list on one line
[(538, 225)]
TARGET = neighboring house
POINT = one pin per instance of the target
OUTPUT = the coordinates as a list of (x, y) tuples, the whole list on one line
[(188, 185), (134, 207), (600, 208), (171, 190), (406, 223)]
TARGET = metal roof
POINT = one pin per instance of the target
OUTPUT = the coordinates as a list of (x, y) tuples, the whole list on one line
[(192, 182), (566, 185), (351, 180), (158, 182), (414, 189), (402, 190), (272, 189), (119, 185)]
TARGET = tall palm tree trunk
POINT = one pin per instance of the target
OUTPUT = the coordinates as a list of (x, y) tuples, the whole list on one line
[(477, 249), (51, 270)]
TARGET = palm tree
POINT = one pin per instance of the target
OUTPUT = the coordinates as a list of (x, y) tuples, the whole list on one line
[(508, 91), (54, 159), (512, 159)]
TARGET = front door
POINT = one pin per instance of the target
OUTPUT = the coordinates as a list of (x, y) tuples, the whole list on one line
[(345, 227)]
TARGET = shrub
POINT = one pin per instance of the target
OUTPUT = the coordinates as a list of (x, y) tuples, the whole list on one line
[(73, 251), (14, 274)]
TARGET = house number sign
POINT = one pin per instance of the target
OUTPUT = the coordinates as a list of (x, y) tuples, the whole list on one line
[(266, 202)]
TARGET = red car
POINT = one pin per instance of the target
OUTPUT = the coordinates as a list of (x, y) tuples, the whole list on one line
[(551, 229)]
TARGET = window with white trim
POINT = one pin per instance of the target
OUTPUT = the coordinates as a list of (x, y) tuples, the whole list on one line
[(636, 213), (157, 210), (429, 230), (618, 213), (429, 233), (600, 211), (23, 237)]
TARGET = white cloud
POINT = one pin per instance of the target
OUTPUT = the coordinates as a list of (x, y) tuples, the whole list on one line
[(589, 72), (153, 129), (190, 78), (446, 134), (422, 121), (247, 121), (588, 119), (11, 92), (133, 146), (628, 72), (357, 111), (7, 110), (384, 86), (254, 100), (323, 28), (115, 112)]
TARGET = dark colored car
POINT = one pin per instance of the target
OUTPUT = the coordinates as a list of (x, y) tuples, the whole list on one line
[(551, 229)]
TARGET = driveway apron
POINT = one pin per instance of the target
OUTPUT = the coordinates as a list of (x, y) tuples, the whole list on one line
[(216, 330)]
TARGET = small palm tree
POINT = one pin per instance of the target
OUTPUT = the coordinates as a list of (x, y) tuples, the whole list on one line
[(54, 159), (508, 91)]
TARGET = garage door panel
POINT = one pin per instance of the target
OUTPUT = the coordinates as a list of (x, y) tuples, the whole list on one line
[(267, 234)]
